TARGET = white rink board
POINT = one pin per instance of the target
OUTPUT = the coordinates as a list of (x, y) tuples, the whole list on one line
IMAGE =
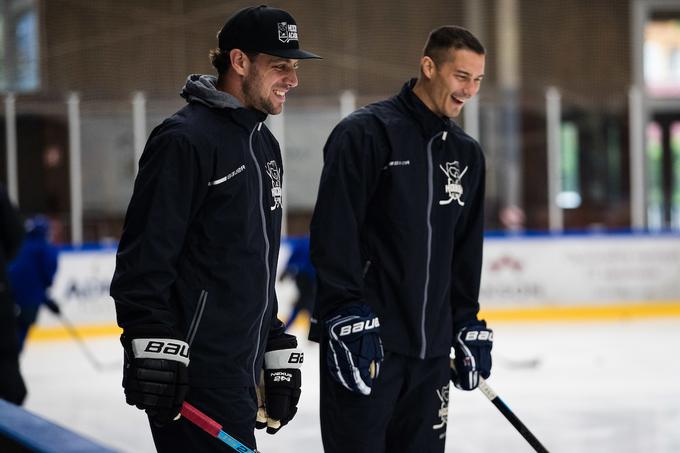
[(81, 286), (580, 270), (517, 271)]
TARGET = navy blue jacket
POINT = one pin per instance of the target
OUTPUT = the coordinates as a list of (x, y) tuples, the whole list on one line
[(398, 224), (197, 258)]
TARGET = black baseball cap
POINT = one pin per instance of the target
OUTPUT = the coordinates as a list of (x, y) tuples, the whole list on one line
[(263, 29)]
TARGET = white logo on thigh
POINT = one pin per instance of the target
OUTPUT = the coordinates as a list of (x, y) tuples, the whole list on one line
[(443, 412), (453, 187)]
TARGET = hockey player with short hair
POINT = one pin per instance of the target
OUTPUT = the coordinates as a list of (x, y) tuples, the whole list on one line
[(396, 239), (196, 264)]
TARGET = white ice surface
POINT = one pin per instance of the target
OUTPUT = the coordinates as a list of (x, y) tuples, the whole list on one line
[(597, 387)]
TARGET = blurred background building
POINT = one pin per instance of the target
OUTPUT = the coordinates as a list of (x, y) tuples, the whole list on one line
[(579, 113)]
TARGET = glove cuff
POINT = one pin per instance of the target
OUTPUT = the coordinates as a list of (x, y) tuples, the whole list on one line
[(283, 358), (160, 348)]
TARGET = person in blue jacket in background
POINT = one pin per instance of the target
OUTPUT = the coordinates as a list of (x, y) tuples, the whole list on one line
[(300, 269), (31, 274)]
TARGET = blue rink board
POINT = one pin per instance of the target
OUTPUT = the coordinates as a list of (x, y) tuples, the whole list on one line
[(22, 431)]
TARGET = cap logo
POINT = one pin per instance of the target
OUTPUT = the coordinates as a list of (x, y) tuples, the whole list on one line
[(287, 32)]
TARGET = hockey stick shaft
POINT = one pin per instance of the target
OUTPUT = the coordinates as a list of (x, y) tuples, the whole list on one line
[(510, 416), (211, 427), (76, 336)]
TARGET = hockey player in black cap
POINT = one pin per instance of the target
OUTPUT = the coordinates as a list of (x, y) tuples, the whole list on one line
[(196, 264), (396, 238)]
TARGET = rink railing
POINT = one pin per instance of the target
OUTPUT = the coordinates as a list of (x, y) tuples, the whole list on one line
[(525, 277), (21, 430)]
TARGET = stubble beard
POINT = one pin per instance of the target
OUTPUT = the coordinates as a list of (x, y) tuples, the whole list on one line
[(251, 93)]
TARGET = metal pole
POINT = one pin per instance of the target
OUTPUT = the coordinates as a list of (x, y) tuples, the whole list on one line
[(471, 117), (638, 189), (138, 125), (75, 175), (508, 33), (348, 103), (554, 120), (11, 144), (277, 126)]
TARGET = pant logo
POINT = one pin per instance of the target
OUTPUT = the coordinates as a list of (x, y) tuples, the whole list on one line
[(443, 412)]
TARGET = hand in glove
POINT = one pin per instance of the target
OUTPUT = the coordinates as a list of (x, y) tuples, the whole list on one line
[(279, 390), (155, 376), (472, 347), (355, 350)]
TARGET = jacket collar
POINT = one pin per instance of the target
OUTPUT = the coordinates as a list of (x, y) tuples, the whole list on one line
[(247, 118), (202, 89), (429, 122)]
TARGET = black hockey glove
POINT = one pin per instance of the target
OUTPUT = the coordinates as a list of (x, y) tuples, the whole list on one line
[(279, 390), (355, 350), (472, 347), (155, 376)]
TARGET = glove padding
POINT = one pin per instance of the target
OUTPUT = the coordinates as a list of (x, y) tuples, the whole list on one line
[(280, 381), (155, 376), (355, 350), (472, 347)]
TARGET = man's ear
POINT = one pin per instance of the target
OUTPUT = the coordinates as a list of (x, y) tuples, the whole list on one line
[(427, 66), (239, 61)]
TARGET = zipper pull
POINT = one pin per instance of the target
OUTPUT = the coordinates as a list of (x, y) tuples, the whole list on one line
[(444, 135), (259, 126)]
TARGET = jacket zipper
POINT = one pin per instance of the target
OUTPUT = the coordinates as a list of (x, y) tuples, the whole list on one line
[(430, 192), (198, 315), (266, 244)]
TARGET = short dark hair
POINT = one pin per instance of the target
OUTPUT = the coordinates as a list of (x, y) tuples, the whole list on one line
[(221, 61), (447, 37)]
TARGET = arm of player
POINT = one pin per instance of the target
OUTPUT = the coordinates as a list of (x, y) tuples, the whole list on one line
[(165, 199), (466, 265), (352, 165), (472, 340)]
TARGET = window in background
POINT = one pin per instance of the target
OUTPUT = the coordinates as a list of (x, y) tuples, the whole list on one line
[(614, 170), (570, 196), (19, 46), (3, 73), (662, 55), (654, 177), (675, 159)]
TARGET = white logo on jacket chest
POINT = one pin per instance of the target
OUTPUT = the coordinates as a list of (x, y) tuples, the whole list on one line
[(453, 186), (275, 175)]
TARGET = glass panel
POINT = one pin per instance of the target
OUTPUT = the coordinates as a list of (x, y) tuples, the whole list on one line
[(675, 159), (654, 177), (3, 73), (27, 52), (662, 56), (569, 197)]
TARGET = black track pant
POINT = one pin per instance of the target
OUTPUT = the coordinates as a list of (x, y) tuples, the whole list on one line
[(233, 408), (405, 412)]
